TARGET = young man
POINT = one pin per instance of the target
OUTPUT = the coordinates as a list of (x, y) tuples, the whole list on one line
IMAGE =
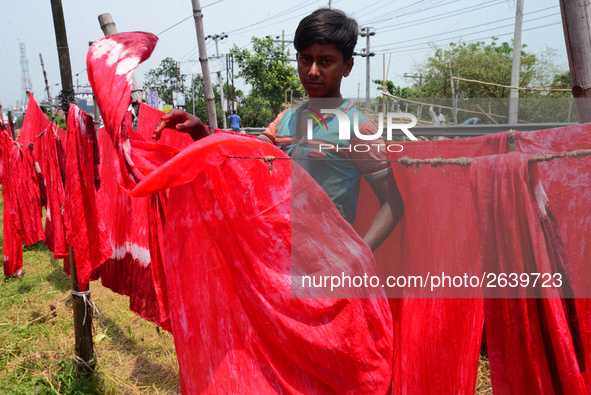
[(235, 122), (325, 41)]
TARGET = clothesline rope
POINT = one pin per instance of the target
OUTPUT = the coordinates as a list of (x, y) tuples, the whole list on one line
[(543, 88), (434, 162)]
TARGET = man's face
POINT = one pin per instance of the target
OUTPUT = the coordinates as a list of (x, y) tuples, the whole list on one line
[(321, 69)]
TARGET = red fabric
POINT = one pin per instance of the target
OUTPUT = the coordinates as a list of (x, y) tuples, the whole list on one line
[(29, 198), (112, 85), (34, 123), (11, 230), (221, 317), (567, 183), (129, 270), (55, 231), (228, 284), (86, 231), (530, 346), (436, 341)]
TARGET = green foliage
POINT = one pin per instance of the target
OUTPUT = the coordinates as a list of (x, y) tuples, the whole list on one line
[(482, 62), (268, 71), (255, 112), (19, 121), (163, 79)]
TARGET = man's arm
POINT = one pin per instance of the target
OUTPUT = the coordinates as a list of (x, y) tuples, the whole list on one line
[(182, 122), (390, 212)]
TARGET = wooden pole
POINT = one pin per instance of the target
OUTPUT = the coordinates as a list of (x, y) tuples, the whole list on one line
[(82, 317), (63, 52), (210, 98), (108, 27), (46, 86), (82, 321), (11, 123), (576, 17)]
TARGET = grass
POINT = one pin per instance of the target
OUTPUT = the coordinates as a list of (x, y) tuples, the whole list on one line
[(133, 355), (37, 342)]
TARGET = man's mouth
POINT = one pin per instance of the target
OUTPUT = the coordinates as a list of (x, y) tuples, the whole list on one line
[(309, 83)]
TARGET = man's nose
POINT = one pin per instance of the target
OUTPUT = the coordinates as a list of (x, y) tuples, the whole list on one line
[(314, 73)]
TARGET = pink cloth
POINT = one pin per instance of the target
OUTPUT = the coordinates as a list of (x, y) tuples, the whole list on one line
[(530, 345), (436, 341), (567, 183)]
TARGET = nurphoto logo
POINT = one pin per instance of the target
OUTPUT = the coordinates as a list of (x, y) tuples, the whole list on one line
[(345, 125)]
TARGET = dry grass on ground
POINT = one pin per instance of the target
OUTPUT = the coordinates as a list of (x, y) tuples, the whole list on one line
[(37, 343)]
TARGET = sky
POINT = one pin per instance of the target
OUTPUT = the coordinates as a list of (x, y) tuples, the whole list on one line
[(405, 29)]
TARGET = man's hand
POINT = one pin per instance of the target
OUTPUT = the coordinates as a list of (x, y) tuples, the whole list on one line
[(182, 122)]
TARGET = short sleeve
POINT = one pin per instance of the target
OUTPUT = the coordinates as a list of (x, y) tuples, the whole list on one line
[(378, 165), (269, 134)]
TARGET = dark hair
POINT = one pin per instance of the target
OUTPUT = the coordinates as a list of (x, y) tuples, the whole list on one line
[(234, 112), (327, 26)]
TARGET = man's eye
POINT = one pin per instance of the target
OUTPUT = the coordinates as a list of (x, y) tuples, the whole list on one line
[(326, 61)]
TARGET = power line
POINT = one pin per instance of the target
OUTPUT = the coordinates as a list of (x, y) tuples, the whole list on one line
[(298, 6), (467, 10), (190, 16), (422, 49), (466, 28)]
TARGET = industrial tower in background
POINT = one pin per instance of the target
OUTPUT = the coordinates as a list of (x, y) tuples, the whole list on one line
[(26, 84)]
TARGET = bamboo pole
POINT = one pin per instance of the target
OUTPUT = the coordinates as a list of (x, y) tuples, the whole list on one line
[(576, 17), (210, 98)]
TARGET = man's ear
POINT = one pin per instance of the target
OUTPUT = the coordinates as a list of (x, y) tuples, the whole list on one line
[(348, 66)]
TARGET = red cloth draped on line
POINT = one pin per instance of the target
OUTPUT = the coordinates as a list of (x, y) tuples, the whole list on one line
[(12, 236), (55, 230), (436, 341), (86, 231), (226, 260), (530, 344), (568, 185)]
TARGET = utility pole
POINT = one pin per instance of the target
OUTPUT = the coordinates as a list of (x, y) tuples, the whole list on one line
[(217, 38), (453, 94), (576, 17), (82, 327), (283, 41), (514, 95), (108, 27), (230, 77), (419, 77), (198, 16), (329, 4), (366, 32), (46, 86)]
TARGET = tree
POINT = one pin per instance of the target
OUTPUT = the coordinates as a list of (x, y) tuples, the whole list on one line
[(163, 79), (268, 71), (482, 62), (490, 63)]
